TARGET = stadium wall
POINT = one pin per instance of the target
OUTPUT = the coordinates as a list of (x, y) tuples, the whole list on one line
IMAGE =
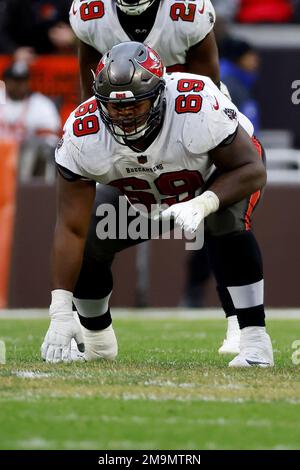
[(276, 228)]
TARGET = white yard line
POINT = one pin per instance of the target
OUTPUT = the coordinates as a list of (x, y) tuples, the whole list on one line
[(35, 443), (27, 374), (156, 314), (29, 397)]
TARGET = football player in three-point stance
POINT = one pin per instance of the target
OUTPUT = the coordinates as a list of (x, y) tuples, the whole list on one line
[(182, 34), (197, 159)]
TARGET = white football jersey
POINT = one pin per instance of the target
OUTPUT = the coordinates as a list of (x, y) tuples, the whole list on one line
[(179, 25), (175, 166)]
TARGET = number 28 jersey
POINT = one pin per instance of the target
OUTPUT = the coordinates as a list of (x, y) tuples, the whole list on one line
[(178, 26), (176, 165)]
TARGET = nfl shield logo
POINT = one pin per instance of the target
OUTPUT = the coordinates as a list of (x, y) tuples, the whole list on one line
[(142, 159)]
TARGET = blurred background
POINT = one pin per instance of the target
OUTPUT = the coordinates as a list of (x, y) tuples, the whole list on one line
[(259, 46)]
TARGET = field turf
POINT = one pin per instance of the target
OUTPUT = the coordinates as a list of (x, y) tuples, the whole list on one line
[(168, 389)]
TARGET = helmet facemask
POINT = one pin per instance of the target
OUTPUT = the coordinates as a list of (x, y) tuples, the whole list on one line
[(131, 7), (142, 124)]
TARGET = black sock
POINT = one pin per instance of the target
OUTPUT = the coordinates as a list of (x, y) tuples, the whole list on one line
[(236, 262), (96, 323)]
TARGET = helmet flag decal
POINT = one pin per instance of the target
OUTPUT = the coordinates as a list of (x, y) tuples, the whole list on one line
[(152, 63)]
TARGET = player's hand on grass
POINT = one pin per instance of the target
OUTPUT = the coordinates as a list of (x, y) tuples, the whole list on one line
[(63, 328)]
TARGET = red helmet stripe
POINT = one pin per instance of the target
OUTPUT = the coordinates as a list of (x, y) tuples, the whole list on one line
[(100, 67)]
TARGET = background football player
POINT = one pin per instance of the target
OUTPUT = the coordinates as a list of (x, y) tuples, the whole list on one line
[(193, 143), (182, 33)]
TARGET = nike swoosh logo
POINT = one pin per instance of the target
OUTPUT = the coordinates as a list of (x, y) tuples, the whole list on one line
[(257, 363), (216, 106), (202, 9), (73, 8)]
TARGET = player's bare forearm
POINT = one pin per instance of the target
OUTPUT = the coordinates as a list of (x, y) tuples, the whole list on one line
[(238, 184), (203, 58), (75, 201), (242, 170), (88, 60), (67, 256)]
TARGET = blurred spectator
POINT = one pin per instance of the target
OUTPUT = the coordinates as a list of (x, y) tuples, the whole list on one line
[(40, 26), (239, 64), (226, 9), (265, 11), (30, 119), (225, 14)]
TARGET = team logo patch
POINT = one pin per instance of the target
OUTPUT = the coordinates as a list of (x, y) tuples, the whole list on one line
[(142, 159), (60, 143), (211, 18), (231, 113)]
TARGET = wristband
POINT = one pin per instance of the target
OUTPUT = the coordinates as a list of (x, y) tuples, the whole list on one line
[(61, 301), (209, 201)]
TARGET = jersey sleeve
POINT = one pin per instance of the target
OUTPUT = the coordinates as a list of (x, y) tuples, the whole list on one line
[(205, 18), (80, 28), (214, 125), (68, 153)]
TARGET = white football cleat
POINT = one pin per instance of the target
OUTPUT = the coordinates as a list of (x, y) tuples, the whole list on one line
[(100, 344), (231, 344), (256, 348)]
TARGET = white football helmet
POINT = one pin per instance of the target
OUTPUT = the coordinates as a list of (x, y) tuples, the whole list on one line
[(134, 7)]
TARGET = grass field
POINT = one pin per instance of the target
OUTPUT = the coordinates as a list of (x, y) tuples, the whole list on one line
[(169, 389)]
